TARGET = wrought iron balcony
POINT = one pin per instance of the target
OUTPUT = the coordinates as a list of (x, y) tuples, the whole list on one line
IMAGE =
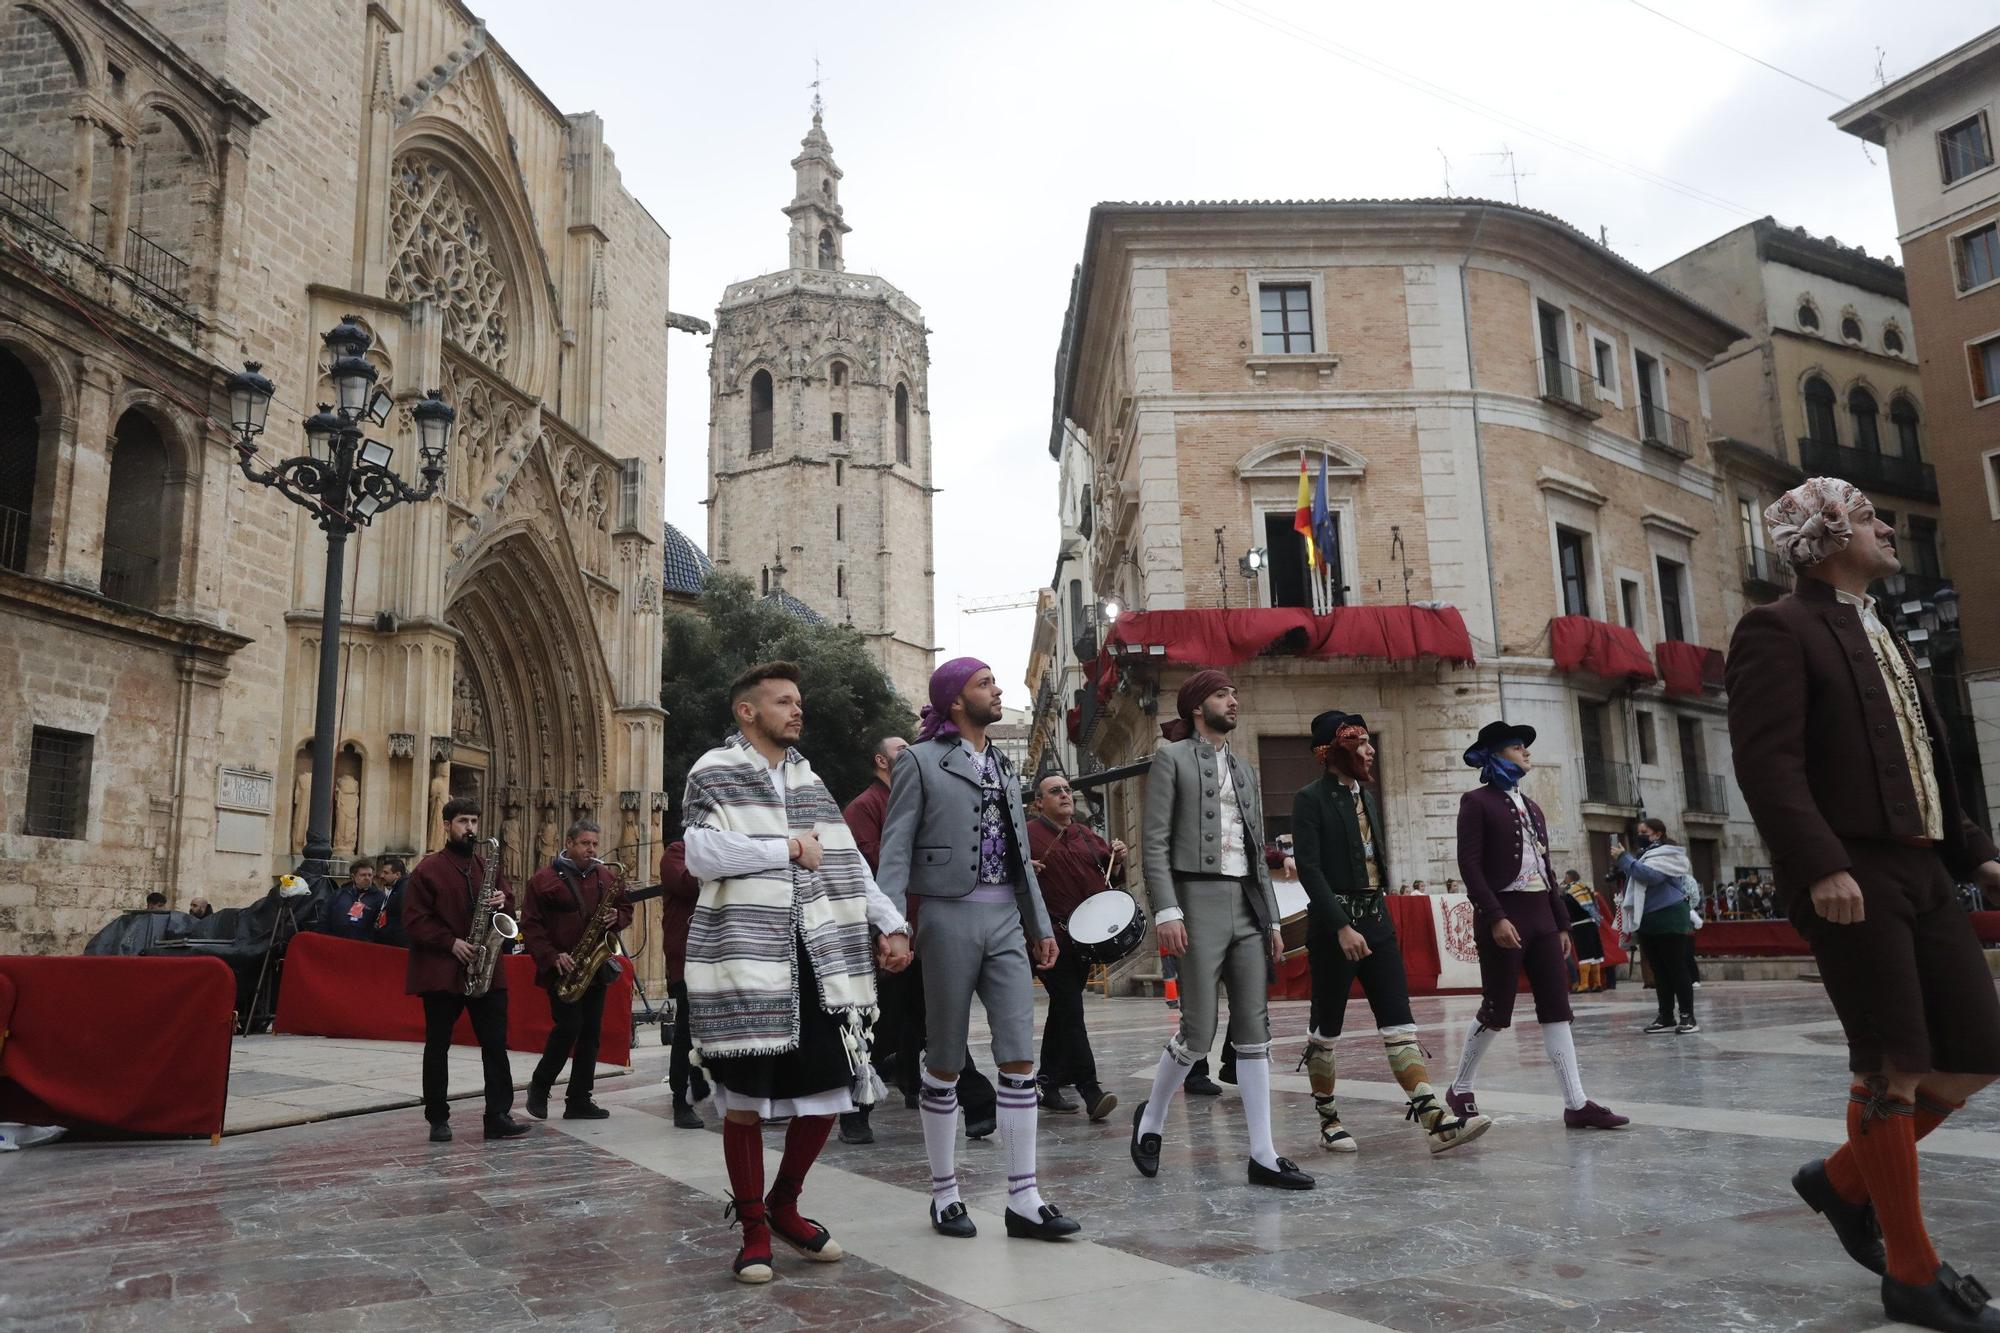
[(1870, 470), (41, 198), (130, 577), (1706, 793), (1608, 782), (1570, 387), (1765, 569), (13, 538), (31, 191), (1663, 430)]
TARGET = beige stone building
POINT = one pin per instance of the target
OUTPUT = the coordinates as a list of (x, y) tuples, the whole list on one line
[(1516, 423), (819, 434), (188, 185)]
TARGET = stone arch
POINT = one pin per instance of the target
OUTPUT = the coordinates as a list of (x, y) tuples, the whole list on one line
[(529, 361), (179, 496), (530, 647), (49, 67), (37, 414), (1281, 458), (135, 549)]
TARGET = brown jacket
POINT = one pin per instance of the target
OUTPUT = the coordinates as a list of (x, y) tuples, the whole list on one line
[(551, 924), (437, 909), (1818, 753), (683, 892)]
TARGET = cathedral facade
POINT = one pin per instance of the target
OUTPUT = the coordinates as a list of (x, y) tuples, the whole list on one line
[(184, 188), (819, 435)]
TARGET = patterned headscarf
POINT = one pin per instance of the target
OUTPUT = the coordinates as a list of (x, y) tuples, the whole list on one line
[(1194, 689), (947, 683), (1811, 521)]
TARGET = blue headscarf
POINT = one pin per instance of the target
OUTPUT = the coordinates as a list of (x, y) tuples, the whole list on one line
[(1504, 774)]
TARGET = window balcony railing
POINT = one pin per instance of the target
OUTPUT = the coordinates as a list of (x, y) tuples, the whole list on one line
[(13, 539), (1766, 569), (153, 268), (31, 191), (1870, 470), (1567, 386), (1608, 782), (1705, 792), (131, 577), (1663, 430)]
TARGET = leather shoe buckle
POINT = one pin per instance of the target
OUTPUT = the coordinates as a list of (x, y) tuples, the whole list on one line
[(1967, 1290)]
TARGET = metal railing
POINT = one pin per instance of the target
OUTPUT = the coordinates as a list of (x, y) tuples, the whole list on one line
[(1664, 430), (1705, 792), (156, 269), (1870, 470), (1566, 385), (1765, 567), (31, 190), (153, 268), (131, 577), (14, 526), (1608, 782)]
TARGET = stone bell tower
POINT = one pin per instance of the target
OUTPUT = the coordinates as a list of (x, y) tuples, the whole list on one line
[(819, 433)]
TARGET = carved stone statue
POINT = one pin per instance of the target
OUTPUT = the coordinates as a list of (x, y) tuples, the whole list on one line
[(346, 815), (513, 845), (302, 787), (433, 839), (550, 840), (628, 838)]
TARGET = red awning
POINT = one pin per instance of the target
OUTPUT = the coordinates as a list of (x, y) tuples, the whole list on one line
[(1232, 637), (1612, 651), (1688, 667)]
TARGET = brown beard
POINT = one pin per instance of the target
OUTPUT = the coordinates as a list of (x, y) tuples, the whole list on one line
[(1346, 760)]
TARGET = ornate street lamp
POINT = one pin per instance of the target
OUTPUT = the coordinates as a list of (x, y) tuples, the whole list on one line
[(344, 480)]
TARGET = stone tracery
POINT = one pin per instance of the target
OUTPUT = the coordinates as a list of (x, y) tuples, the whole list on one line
[(445, 254)]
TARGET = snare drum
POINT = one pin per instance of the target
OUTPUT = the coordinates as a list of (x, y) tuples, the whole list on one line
[(1106, 926), (1292, 904)]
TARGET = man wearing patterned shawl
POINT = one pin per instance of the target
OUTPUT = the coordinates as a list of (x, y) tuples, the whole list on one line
[(779, 971), (1835, 738)]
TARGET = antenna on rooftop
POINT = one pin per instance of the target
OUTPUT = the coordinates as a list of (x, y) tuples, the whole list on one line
[(1506, 155), (1447, 173)]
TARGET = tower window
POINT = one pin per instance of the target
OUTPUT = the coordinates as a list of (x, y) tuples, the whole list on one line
[(840, 523), (764, 581), (825, 186), (826, 247), (838, 423), (760, 412), (839, 373), (840, 580), (839, 471), (1808, 317), (1892, 340), (1850, 328), (902, 423)]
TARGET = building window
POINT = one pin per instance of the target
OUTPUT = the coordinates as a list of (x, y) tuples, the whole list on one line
[(839, 373), (1649, 743), (1903, 416), (1867, 429), (1628, 602), (58, 795), (1604, 359), (1554, 381), (1646, 374), (1290, 578), (839, 471), (1850, 327), (1964, 148), (840, 580), (902, 423), (1693, 760), (826, 248), (1892, 340), (631, 481), (840, 523), (1820, 427), (839, 425), (1594, 725), (1808, 317), (20, 447), (1985, 367), (1746, 521), (1286, 313), (760, 412), (1573, 561), (133, 512), (1978, 256), (1920, 554), (1672, 623), (1285, 764)]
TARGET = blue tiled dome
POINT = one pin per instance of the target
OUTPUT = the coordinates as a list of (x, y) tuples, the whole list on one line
[(784, 601), (686, 564)]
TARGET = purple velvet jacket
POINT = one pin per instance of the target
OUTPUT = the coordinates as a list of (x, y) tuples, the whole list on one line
[(1490, 833)]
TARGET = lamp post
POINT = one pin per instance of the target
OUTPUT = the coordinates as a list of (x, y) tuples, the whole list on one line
[(344, 480)]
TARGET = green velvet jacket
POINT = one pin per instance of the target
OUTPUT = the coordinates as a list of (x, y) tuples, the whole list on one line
[(1326, 843)]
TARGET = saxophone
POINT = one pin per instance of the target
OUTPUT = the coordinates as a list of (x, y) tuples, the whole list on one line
[(595, 945), (490, 929)]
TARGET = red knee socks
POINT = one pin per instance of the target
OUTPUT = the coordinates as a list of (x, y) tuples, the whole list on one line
[(1881, 1132), (803, 1140), (1844, 1173), (743, 1154)]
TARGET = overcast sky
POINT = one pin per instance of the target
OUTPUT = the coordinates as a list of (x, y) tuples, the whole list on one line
[(975, 139)]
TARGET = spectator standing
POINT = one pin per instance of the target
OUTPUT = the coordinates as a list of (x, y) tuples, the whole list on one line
[(357, 905), (677, 905), (1656, 898)]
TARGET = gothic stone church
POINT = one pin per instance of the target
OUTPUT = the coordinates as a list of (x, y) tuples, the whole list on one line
[(819, 435), (187, 185)]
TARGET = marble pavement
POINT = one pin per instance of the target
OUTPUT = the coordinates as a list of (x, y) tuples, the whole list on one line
[(1684, 1221)]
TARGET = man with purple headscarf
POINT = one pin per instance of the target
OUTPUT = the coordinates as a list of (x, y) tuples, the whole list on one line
[(956, 836)]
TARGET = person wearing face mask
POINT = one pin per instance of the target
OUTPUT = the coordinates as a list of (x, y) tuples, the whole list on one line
[(1655, 904), (1349, 935), (1503, 854)]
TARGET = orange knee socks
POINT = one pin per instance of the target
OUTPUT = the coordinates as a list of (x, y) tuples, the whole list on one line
[(1881, 1135), (1844, 1174)]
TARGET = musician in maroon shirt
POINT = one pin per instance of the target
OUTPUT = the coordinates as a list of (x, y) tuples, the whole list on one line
[(562, 899), (1071, 862), (437, 916)]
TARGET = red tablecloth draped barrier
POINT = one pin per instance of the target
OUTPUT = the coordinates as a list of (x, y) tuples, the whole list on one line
[(138, 1045), (1688, 668), (1579, 643), (1231, 637), (347, 988), (1780, 939)]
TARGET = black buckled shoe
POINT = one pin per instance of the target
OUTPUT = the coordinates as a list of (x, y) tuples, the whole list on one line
[(1286, 1176), (854, 1127), (440, 1132), (1853, 1223), (1047, 1224), (1098, 1103), (1145, 1147), (506, 1127), (585, 1110), (1053, 1101), (538, 1102), (953, 1221), (1949, 1302), (1201, 1085)]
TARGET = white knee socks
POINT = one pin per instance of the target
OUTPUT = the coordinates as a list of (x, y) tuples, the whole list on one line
[(1556, 1040), (1253, 1080), (1018, 1095), (938, 1108), (1167, 1080), (1476, 1042)]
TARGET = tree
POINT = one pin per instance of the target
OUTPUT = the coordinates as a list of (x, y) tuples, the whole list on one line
[(849, 703)]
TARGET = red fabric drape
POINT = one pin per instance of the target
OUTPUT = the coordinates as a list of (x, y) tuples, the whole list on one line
[(1780, 939), (1683, 666), (1579, 643), (139, 1045), (1228, 638), (347, 988)]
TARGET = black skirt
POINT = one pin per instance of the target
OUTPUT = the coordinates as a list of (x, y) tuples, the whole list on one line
[(817, 1064)]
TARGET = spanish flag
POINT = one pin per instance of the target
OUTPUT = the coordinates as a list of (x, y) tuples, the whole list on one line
[(1302, 520)]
